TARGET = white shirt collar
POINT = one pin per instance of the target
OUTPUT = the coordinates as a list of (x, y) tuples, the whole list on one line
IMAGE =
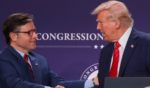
[(123, 40), (21, 53)]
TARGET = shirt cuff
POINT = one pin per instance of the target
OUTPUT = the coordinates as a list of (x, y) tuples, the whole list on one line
[(88, 84), (47, 87)]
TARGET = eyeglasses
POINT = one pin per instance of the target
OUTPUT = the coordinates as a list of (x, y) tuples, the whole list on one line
[(30, 32)]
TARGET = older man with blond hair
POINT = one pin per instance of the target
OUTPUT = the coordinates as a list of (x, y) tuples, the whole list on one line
[(127, 53)]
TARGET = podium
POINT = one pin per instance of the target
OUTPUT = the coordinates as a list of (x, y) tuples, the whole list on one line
[(127, 82)]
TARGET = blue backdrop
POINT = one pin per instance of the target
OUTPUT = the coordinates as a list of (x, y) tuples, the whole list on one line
[(67, 33)]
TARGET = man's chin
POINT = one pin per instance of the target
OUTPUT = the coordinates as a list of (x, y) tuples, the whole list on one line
[(104, 38), (108, 40), (33, 47)]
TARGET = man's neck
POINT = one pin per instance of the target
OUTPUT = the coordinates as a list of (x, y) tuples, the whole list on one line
[(19, 48)]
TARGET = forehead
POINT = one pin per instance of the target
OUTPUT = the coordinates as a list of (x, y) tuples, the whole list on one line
[(103, 15), (27, 26)]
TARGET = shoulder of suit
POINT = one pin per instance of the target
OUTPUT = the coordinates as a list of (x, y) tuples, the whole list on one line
[(8, 53), (143, 36)]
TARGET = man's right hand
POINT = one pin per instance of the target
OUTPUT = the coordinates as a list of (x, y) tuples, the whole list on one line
[(95, 81)]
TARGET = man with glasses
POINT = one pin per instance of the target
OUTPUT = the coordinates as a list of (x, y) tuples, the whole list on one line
[(21, 68)]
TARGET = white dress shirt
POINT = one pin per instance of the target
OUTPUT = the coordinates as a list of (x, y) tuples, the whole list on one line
[(122, 41)]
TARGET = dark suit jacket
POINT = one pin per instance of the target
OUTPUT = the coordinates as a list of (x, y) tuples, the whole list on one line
[(14, 73), (135, 60)]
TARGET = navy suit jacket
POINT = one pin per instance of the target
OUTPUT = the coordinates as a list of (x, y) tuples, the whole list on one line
[(14, 72), (135, 60)]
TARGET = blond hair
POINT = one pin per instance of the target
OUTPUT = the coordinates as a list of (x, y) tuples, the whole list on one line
[(118, 11)]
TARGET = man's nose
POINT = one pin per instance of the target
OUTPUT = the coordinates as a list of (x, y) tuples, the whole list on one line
[(35, 35)]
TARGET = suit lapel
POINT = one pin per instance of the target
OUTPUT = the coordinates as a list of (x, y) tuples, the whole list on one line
[(105, 60), (131, 44), (20, 64), (36, 68), (109, 57)]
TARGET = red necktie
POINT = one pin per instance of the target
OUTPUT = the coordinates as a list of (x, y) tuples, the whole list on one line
[(114, 67), (29, 66)]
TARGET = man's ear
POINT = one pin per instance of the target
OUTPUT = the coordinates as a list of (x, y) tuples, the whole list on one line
[(13, 36)]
